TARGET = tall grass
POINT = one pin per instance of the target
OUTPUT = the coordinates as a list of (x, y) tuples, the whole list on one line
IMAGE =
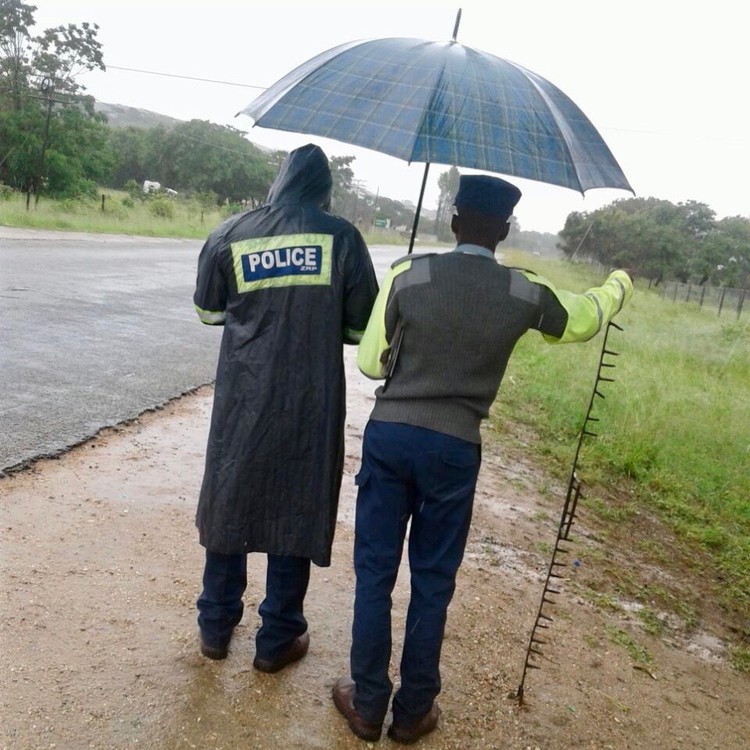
[(675, 425), (119, 214)]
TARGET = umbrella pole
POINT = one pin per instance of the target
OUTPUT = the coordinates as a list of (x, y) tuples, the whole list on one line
[(419, 207)]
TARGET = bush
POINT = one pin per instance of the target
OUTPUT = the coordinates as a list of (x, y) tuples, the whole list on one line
[(231, 209), (117, 210), (6, 192), (134, 190), (71, 205), (161, 207), (207, 200)]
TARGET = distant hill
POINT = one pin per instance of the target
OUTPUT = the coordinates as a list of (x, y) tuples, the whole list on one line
[(121, 116)]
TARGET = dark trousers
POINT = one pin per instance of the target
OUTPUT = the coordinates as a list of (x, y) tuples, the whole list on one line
[(408, 473), (220, 604)]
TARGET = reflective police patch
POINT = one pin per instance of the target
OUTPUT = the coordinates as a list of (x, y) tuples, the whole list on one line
[(282, 261), (286, 260)]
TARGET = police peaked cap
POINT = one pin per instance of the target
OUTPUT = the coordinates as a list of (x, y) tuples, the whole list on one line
[(487, 195)]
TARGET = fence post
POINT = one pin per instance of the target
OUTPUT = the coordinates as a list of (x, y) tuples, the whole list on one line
[(703, 294), (721, 299), (674, 296), (103, 198), (741, 303), (687, 294)]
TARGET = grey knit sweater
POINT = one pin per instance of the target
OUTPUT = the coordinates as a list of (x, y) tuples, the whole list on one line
[(462, 314)]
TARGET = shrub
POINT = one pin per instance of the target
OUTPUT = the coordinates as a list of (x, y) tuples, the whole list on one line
[(231, 209), (134, 190), (161, 207), (117, 210)]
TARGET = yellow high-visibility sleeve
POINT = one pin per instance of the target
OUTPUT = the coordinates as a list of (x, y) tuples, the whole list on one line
[(589, 312), (374, 343)]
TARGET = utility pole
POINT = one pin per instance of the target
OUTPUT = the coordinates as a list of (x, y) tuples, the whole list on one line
[(48, 89), (357, 185), (375, 206)]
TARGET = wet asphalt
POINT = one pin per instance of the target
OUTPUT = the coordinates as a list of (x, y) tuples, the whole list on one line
[(97, 329)]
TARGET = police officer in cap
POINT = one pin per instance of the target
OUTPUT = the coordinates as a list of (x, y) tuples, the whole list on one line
[(441, 332)]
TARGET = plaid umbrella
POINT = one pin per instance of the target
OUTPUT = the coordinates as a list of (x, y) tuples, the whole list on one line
[(445, 103)]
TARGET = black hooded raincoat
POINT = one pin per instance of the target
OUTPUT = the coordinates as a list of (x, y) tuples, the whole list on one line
[(290, 283)]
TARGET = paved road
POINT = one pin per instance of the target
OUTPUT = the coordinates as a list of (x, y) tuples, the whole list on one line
[(97, 329)]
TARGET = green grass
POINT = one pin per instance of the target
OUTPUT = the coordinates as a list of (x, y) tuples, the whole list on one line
[(120, 215), (740, 658), (651, 622), (636, 652), (674, 429)]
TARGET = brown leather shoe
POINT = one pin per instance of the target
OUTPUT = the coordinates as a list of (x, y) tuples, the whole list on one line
[(343, 697), (295, 652), (426, 723)]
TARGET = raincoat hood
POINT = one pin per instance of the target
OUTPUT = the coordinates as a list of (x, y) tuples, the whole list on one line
[(304, 177)]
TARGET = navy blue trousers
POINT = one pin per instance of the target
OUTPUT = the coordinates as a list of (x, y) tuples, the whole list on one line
[(418, 475), (220, 604)]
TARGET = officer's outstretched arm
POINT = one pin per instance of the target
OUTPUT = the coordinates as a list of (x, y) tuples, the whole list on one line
[(589, 312)]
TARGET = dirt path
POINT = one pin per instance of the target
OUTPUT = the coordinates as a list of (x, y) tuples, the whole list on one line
[(100, 569)]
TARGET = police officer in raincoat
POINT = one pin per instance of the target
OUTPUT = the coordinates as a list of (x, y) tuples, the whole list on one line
[(290, 283)]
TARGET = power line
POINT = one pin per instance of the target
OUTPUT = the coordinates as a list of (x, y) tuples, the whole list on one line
[(215, 145), (189, 78)]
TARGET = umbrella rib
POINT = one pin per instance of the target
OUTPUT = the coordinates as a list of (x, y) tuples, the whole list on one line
[(428, 111), (557, 118), (271, 96)]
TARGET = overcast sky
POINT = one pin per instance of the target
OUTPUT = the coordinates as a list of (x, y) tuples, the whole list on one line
[(665, 82)]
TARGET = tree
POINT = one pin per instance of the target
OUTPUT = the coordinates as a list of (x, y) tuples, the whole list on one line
[(64, 52), (448, 184), (662, 240), (78, 157), (16, 18), (36, 74), (730, 245), (194, 157), (400, 216), (342, 194), (204, 157), (131, 147)]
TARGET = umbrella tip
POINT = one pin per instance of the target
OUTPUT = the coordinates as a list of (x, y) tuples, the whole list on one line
[(455, 27)]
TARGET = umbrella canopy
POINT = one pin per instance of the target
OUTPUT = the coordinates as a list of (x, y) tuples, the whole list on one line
[(444, 103)]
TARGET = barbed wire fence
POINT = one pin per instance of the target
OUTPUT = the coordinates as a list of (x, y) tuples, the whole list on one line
[(725, 300)]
